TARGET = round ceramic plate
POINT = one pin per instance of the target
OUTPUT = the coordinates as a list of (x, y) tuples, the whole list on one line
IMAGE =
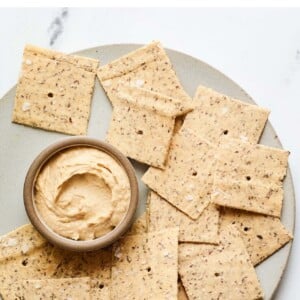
[(19, 145)]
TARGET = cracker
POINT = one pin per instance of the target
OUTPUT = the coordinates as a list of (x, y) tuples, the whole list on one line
[(20, 241), (262, 235), (219, 272), (145, 266), (164, 215), (142, 124), (216, 115), (55, 91), (148, 67), (96, 265), (37, 264), (48, 289), (186, 180), (25, 254), (265, 163), (249, 177), (140, 225)]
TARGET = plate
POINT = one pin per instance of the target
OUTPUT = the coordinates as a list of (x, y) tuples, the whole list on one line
[(19, 145)]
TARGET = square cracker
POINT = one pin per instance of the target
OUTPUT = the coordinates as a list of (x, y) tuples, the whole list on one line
[(148, 67), (21, 241), (216, 115), (55, 91), (262, 235), (164, 215), (96, 265), (142, 124), (48, 289), (249, 177), (219, 272), (145, 266), (25, 254), (36, 264), (186, 180)]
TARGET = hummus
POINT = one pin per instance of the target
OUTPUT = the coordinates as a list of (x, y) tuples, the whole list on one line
[(82, 193)]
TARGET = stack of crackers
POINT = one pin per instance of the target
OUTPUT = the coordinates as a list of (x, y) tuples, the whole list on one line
[(215, 198)]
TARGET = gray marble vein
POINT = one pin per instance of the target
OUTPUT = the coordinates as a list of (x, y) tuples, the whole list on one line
[(56, 27)]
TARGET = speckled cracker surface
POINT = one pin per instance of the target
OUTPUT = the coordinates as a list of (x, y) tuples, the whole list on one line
[(20, 241), (164, 215), (216, 115), (148, 67), (54, 91), (24, 254), (219, 272), (142, 124), (36, 264), (186, 180), (96, 265), (49, 289), (145, 266), (249, 177), (262, 235)]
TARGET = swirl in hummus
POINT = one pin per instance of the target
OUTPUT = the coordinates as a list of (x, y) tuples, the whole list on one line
[(82, 193)]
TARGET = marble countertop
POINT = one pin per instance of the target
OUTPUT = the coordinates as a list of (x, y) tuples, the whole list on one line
[(258, 48)]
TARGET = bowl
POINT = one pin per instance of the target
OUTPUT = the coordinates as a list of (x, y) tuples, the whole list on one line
[(37, 221)]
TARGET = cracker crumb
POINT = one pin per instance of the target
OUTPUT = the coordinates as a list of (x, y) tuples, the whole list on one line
[(28, 62), (37, 286), (11, 242), (24, 248), (189, 197), (224, 110), (139, 82), (167, 254), (118, 253), (215, 193), (244, 138), (191, 186), (26, 106)]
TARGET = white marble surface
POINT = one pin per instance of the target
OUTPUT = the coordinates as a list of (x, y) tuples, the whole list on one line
[(257, 48)]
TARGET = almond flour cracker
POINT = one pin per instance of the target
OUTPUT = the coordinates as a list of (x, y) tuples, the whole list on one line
[(219, 272), (54, 91), (249, 177), (145, 266), (147, 67), (217, 115), (186, 181), (262, 235), (142, 124), (29, 257), (164, 215)]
